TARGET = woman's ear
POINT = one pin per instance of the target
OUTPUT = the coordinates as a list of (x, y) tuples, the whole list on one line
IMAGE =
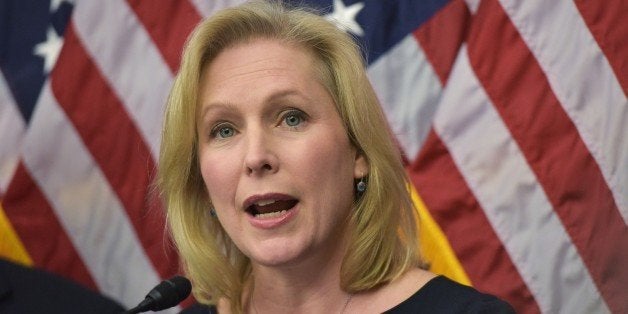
[(361, 168)]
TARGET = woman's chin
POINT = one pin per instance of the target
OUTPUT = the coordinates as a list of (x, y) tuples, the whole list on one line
[(272, 262), (277, 259), (276, 256)]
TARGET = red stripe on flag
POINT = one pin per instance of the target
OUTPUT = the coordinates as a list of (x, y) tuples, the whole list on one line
[(436, 177), (457, 212), (39, 230), (116, 144), (442, 36), (570, 176), (607, 22), (168, 23)]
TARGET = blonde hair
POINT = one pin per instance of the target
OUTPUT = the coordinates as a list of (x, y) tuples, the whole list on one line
[(383, 240)]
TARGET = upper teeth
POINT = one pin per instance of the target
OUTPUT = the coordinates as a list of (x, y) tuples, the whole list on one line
[(265, 202)]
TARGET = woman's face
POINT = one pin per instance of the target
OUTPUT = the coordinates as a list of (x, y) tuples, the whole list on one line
[(277, 163)]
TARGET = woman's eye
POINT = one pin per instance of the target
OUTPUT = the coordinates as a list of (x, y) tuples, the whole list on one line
[(223, 132), (294, 118)]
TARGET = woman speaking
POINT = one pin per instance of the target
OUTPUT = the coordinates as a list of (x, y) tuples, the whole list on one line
[(284, 189)]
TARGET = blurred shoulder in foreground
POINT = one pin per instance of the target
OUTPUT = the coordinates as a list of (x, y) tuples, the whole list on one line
[(29, 290)]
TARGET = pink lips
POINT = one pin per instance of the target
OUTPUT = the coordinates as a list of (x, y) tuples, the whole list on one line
[(270, 222)]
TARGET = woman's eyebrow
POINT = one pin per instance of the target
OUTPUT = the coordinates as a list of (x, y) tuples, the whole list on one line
[(214, 106)]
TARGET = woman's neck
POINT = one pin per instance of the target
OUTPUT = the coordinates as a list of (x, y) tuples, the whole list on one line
[(311, 285)]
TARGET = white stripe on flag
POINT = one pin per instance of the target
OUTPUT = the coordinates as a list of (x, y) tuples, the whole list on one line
[(473, 5), (85, 204), (589, 92), (11, 135), (409, 91), (514, 202), (206, 8), (130, 62)]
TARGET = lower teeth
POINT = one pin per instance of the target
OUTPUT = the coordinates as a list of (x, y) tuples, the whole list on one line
[(271, 214)]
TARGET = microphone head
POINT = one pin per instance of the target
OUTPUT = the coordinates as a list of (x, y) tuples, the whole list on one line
[(169, 293)]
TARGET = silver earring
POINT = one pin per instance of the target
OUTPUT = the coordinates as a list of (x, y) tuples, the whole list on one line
[(212, 212), (361, 186)]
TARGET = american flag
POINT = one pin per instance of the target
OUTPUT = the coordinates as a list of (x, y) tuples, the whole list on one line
[(512, 117)]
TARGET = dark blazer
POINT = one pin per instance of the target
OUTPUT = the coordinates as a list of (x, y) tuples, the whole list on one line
[(29, 290)]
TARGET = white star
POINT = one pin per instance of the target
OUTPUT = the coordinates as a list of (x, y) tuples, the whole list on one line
[(54, 4), (49, 49), (344, 17)]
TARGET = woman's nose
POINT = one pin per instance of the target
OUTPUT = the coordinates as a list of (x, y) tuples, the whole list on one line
[(260, 155)]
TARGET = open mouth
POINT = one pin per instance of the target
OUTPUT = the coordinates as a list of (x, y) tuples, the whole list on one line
[(270, 208)]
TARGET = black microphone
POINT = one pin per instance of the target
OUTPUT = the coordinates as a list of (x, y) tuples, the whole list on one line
[(165, 295)]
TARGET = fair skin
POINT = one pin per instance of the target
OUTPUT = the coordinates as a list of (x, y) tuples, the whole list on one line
[(280, 169)]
